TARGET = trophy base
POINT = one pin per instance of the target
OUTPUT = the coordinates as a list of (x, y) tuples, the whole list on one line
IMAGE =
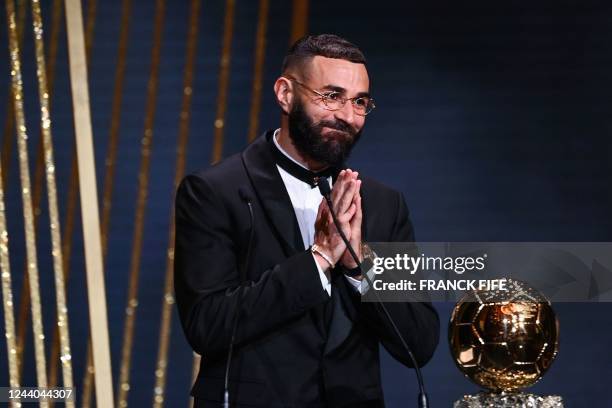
[(508, 400)]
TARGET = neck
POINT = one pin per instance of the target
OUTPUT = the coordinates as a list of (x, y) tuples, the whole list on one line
[(284, 140)]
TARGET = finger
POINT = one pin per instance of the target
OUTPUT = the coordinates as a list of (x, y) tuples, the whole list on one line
[(358, 218), (347, 197), (320, 211), (346, 217), (358, 187), (353, 174), (351, 211), (339, 187), (322, 207), (320, 221), (347, 225), (331, 226)]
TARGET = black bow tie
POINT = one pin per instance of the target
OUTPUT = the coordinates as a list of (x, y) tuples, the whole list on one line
[(309, 177)]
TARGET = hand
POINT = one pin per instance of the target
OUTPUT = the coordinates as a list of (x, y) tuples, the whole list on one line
[(355, 240), (327, 237)]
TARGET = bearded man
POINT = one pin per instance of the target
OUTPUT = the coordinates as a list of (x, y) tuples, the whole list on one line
[(303, 338)]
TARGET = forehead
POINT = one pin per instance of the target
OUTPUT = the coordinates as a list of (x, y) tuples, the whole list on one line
[(323, 71)]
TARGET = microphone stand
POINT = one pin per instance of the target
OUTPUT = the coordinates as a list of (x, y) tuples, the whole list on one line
[(325, 190), (246, 197)]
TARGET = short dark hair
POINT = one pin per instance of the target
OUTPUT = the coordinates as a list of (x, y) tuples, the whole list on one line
[(325, 45)]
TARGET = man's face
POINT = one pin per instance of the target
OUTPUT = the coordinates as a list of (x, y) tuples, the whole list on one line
[(323, 135)]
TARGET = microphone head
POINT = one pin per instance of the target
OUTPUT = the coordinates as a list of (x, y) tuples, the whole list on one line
[(323, 185), (244, 194)]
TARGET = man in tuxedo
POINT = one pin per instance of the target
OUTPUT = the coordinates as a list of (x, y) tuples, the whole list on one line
[(304, 338)]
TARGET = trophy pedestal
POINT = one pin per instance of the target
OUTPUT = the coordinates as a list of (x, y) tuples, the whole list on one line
[(508, 400)]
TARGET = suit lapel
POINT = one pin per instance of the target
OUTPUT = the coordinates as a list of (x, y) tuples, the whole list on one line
[(269, 187)]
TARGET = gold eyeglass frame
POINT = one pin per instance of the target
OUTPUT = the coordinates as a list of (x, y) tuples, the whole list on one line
[(325, 98)]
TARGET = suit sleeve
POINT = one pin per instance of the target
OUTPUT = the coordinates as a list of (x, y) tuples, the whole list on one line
[(207, 278), (418, 322)]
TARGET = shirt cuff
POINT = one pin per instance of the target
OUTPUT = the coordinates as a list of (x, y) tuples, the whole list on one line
[(355, 283), (324, 281), (362, 286)]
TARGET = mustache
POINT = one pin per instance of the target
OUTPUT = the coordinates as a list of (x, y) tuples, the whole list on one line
[(337, 125)]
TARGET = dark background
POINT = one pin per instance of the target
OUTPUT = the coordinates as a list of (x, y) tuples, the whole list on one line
[(493, 118)]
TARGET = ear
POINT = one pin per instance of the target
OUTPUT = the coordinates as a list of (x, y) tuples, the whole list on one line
[(283, 88)]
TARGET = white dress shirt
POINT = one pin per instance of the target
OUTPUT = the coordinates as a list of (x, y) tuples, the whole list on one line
[(305, 201)]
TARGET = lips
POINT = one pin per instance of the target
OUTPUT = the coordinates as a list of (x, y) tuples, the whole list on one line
[(338, 132), (338, 135)]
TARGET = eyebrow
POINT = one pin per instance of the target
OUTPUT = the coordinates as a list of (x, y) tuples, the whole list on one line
[(339, 89)]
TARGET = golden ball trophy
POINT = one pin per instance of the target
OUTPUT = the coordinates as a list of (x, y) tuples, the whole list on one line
[(504, 341)]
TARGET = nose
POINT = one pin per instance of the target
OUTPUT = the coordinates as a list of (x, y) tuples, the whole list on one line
[(346, 114)]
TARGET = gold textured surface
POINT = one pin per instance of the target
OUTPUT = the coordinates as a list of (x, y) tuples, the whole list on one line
[(141, 201), (299, 20), (37, 192), (23, 312), (88, 377), (87, 387), (9, 122), (183, 136), (96, 287), (503, 344), (90, 23), (260, 52), (28, 215), (56, 245), (113, 137), (55, 28), (7, 298), (224, 72)]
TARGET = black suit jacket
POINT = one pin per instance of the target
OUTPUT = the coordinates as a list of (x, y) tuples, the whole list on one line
[(288, 354)]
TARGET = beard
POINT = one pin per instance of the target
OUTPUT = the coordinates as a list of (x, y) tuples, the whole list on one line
[(331, 149)]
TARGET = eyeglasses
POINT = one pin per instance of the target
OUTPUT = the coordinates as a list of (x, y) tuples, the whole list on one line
[(333, 100)]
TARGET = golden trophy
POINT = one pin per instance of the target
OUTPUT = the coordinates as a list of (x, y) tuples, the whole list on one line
[(504, 341)]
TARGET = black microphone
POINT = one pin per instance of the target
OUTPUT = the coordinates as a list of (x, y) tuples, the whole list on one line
[(325, 190), (246, 197)]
